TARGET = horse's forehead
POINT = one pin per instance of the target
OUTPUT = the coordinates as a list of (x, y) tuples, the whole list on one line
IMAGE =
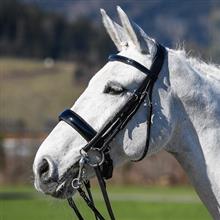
[(120, 72), (134, 54)]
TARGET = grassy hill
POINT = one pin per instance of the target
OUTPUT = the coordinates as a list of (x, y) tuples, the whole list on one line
[(35, 92)]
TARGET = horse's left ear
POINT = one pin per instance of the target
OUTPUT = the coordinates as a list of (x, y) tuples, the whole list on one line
[(136, 36), (115, 31)]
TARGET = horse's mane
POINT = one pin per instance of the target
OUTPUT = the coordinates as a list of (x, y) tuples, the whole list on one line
[(210, 69), (200, 66)]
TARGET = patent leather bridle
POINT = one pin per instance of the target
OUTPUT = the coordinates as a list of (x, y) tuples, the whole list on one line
[(96, 152)]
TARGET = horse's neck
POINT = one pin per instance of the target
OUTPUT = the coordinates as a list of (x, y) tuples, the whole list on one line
[(195, 143)]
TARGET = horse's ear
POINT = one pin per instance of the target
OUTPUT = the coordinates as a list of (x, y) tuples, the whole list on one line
[(135, 34), (151, 44), (114, 30)]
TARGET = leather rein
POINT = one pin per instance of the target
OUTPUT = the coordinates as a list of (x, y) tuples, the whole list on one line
[(96, 153)]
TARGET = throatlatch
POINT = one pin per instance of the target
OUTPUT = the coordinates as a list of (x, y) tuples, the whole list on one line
[(96, 153)]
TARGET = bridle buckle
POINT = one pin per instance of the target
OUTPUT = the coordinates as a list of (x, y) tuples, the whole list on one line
[(95, 157)]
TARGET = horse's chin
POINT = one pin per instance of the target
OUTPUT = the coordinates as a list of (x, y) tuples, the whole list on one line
[(63, 191), (57, 190), (61, 188)]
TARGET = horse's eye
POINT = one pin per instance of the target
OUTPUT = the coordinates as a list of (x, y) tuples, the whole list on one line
[(113, 88)]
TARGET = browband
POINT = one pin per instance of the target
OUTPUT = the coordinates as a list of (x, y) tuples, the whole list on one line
[(155, 68), (129, 61)]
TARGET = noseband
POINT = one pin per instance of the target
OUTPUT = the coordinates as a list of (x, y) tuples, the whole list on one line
[(96, 152)]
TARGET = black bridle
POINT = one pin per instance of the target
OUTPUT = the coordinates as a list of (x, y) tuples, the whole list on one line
[(96, 152)]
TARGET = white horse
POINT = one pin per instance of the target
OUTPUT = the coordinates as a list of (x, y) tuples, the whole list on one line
[(185, 120)]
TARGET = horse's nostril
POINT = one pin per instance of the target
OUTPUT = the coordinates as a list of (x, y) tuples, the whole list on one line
[(45, 171), (43, 168)]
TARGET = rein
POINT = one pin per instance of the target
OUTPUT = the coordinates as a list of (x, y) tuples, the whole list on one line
[(96, 152)]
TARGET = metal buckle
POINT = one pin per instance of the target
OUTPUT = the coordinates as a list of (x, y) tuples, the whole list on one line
[(95, 158)]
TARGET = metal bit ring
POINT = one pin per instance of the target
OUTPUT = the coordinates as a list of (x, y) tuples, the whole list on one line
[(95, 158)]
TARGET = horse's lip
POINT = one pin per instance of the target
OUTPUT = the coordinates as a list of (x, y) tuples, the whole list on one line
[(61, 186), (64, 188)]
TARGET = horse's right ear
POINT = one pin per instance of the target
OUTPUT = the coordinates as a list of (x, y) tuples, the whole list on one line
[(136, 35), (114, 30)]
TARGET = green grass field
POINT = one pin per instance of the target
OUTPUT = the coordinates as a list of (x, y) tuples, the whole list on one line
[(129, 203)]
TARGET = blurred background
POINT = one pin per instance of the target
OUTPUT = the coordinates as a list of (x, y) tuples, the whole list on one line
[(49, 50)]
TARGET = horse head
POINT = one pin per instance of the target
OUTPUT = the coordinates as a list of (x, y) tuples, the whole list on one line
[(56, 162)]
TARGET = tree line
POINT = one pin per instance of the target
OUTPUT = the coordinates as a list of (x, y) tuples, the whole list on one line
[(28, 31)]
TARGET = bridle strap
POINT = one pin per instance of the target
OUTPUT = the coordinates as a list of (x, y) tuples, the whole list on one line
[(99, 141), (72, 204), (119, 121), (158, 59), (104, 192), (88, 186), (152, 76), (135, 64), (89, 199), (149, 111), (90, 204)]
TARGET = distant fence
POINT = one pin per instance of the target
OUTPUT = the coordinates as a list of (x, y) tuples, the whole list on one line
[(18, 151)]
